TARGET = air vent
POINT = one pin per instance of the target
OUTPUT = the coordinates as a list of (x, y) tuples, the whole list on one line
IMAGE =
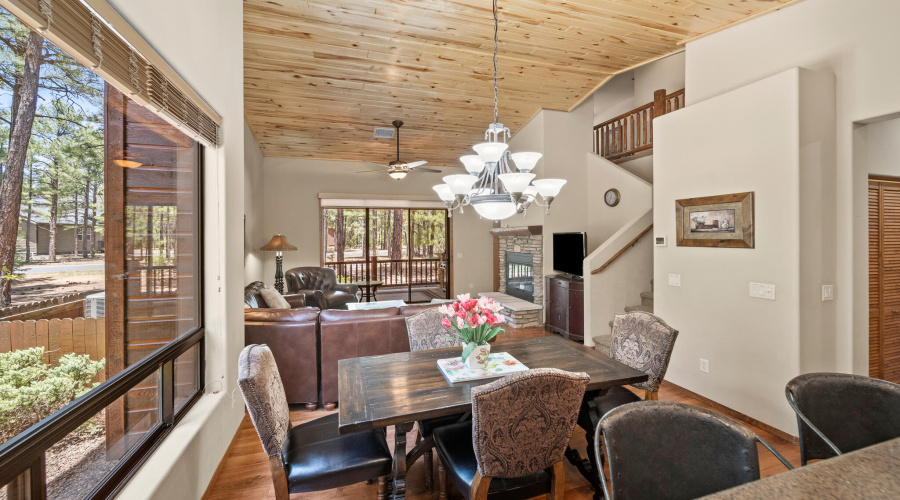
[(383, 133)]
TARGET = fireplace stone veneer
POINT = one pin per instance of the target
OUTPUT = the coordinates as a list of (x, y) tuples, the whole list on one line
[(522, 313)]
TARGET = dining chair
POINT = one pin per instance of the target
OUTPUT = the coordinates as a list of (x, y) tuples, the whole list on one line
[(839, 412), (513, 447), (661, 449), (426, 333), (644, 342), (312, 456)]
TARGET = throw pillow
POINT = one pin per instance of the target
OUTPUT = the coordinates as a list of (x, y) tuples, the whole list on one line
[(273, 299)]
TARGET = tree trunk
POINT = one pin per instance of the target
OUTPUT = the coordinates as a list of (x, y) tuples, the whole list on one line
[(28, 220), (397, 236), (22, 115), (75, 228), (84, 221), (339, 236), (54, 209)]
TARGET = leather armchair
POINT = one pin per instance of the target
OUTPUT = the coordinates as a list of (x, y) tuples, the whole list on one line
[(253, 298), (321, 283)]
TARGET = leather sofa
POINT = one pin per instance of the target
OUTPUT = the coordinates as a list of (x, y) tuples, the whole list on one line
[(321, 283)]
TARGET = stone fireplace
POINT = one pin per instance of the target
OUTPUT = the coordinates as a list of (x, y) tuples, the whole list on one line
[(521, 290), (520, 275)]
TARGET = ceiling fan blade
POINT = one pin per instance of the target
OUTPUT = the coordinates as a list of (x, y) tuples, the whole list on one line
[(416, 164), (425, 171), (379, 164), (368, 171)]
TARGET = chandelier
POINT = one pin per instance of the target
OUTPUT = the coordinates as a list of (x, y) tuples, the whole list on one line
[(492, 168)]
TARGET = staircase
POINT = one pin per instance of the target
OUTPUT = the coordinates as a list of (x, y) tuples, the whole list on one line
[(602, 343)]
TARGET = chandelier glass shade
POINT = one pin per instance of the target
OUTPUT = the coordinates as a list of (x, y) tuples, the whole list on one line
[(499, 183)]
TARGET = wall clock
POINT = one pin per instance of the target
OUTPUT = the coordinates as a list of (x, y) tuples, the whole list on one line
[(612, 197)]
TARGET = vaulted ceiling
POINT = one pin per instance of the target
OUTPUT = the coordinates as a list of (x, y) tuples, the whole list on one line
[(320, 75)]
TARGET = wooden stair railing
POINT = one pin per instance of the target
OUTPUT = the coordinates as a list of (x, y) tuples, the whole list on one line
[(630, 135), (623, 250)]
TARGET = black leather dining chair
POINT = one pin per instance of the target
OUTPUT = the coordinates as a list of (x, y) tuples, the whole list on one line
[(664, 450), (839, 412), (513, 446), (312, 456)]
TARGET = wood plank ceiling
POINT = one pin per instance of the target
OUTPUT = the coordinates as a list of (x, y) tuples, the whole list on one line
[(320, 75)]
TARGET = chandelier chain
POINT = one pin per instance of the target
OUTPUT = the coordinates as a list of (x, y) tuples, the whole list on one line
[(496, 42)]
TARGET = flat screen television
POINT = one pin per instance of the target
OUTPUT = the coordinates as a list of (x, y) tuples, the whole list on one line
[(569, 251)]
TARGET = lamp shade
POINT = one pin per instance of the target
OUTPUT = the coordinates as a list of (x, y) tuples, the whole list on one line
[(496, 210), (526, 161), (397, 174), (278, 243), (443, 192), (460, 183), (530, 191), (549, 187), (490, 151), (517, 182), (474, 164)]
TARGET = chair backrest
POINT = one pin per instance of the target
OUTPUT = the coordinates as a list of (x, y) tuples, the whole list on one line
[(850, 411), (426, 331), (660, 449), (264, 394), (644, 342), (310, 278), (523, 422)]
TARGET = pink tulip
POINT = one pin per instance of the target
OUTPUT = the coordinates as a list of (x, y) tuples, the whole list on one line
[(446, 323)]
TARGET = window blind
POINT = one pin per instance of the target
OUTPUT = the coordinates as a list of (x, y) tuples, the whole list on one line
[(81, 32)]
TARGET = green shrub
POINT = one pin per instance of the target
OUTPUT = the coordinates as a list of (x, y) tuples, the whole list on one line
[(31, 390)]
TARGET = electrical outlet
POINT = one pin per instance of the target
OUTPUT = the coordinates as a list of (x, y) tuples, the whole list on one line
[(762, 291), (704, 365), (827, 292), (674, 280), (471, 286)]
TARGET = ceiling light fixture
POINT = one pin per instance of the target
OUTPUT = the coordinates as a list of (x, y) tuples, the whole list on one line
[(493, 168)]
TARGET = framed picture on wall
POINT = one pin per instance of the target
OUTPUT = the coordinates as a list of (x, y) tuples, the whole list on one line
[(724, 221)]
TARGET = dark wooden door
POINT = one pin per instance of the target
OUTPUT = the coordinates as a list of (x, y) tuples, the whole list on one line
[(884, 279), (557, 303), (576, 312)]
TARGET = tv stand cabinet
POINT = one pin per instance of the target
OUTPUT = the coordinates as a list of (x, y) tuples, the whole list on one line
[(565, 307)]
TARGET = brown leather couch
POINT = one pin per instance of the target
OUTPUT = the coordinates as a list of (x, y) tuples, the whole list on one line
[(253, 298), (321, 283)]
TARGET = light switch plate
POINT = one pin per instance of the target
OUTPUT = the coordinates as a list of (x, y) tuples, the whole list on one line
[(674, 280), (704, 365), (827, 292), (762, 291)]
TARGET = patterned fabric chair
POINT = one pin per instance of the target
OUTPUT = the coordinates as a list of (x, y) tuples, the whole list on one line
[(426, 333), (838, 413), (514, 445), (311, 456), (660, 449), (642, 341)]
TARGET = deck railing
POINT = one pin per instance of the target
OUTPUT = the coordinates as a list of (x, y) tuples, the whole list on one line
[(391, 272), (630, 135)]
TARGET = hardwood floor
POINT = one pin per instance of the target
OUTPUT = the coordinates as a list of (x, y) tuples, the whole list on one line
[(244, 473)]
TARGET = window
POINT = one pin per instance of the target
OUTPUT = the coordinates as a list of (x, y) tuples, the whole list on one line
[(111, 186)]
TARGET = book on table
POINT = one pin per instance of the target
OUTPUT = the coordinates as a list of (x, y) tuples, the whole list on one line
[(498, 365)]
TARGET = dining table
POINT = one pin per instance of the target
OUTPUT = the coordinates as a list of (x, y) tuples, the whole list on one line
[(403, 388)]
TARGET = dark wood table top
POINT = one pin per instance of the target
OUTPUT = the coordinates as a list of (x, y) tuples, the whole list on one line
[(867, 473), (378, 391)]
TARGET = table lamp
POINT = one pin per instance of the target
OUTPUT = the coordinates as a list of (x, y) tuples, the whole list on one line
[(278, 244)]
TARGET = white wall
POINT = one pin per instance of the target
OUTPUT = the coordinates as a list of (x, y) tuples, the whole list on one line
[(291, 190), (204, 43), (635, 200), (253, 208), (662, 74), (766, 138), (857, 42)]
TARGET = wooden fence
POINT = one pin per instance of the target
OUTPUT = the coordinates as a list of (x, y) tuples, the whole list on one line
[(66, 306), (58, 337)]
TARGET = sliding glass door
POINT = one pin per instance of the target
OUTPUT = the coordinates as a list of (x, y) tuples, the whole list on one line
[(400, 252)]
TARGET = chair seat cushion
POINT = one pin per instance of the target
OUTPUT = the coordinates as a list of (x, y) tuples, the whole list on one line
[(454, 445), (318, 458), (428, 426), (614, 398)]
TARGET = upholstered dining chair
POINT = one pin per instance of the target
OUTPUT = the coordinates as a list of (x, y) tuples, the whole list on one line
[(426, 333), (838, 412), (513, 447), (312, 456), (660, 449), (644, 342)]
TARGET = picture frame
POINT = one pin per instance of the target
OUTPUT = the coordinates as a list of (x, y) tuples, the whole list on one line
[(724, 221)]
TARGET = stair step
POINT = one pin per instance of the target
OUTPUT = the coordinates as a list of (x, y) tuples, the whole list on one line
[(647, 299), (639, 308)]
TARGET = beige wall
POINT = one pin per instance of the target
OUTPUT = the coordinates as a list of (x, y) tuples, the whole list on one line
[(253, 208), (203, 43), (856, 41), (768, 138)]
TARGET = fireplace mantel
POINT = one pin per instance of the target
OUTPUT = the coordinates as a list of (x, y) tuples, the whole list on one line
[(518, 231)]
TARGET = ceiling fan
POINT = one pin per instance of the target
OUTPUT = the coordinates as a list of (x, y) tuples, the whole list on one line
[(398, 169)]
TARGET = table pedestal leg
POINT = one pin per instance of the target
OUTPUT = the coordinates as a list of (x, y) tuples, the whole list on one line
[(400, 431)]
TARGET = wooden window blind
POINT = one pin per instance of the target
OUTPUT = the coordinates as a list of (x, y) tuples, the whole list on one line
[(80, 31)]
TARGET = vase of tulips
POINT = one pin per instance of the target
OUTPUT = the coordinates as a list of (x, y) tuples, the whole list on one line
[(475, 321)]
